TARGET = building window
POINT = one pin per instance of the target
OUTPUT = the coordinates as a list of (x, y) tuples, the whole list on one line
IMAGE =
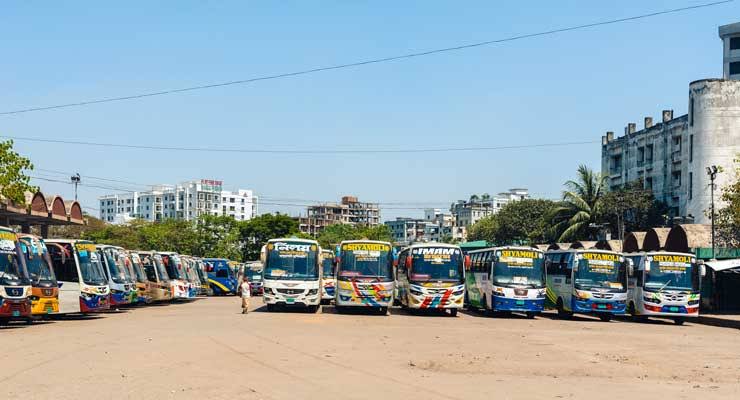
[(640, 155), (691, 112), (676, 178), (691, 148), (735, 43), (616, 163), (735, 68), (649, 153), (649, 183), (691, 185)]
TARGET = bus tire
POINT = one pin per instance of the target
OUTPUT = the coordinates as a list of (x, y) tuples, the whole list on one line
[(531, 314), (605, 317), (383, 311), (270, 307), (562, 314), (453, 312), (313, 309), (678, 321)]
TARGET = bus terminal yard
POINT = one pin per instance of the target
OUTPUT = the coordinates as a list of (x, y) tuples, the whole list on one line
[(205, 348)]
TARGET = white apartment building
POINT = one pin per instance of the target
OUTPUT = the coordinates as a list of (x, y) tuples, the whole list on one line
[(467, 213), (671, 158), (185, 201)]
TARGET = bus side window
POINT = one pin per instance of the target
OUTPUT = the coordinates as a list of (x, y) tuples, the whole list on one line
[(66, 271), (567, 266), (150, 274), (553, 264)]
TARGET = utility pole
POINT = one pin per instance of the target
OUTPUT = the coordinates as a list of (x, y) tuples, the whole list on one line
[(712, 172), (76, 180)]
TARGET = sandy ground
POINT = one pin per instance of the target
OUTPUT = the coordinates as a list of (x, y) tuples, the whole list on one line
[(206, 349)]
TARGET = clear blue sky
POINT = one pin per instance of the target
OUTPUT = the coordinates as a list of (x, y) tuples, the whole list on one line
[(566, 87)]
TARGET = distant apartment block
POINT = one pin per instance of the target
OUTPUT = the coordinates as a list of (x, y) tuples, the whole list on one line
[(467, 213), (349, 211), (434, 227), (185, 201)]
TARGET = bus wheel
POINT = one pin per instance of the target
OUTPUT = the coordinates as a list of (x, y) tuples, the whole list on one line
[(383, 311), (453, 312), (678, 320), (270, 307), (313, 309), (531, 315), (605, 317), (561, 310), (4, 321)]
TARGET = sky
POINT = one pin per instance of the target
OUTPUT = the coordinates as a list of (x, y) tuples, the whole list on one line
[(566, 87)]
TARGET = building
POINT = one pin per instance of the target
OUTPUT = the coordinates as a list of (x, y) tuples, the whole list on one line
[(467, 213), (186, 201), (435, 227), (670, 158), (350, 211)]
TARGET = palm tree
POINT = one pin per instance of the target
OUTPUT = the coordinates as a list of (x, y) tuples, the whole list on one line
[(580, 206)]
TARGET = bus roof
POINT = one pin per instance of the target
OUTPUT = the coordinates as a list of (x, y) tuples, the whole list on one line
[(649, 253), (583, 251), (311, 241), (70, 241), (527, 248), (432, 244), (364, 241)]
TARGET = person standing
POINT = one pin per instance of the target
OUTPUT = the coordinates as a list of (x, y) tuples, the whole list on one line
[(246, 294)]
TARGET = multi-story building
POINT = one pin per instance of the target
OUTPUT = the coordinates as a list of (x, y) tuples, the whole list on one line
[(467, 213), (350, 211), (671, 158), (435, 226), (186, 201)]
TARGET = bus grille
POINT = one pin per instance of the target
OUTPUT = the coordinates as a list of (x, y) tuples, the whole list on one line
[(14, 291), (290, 291), (47, 292), (598, 295)]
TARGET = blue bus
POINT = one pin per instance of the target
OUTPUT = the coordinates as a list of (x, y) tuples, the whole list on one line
[(220, 276)]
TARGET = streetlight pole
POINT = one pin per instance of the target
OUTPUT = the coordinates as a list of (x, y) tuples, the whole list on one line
[(712, 172), (76, 180)]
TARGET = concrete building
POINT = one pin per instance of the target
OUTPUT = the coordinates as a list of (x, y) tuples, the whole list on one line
[(350, 211), (186, 201), (467, 213), (670, 158), (435, 226)]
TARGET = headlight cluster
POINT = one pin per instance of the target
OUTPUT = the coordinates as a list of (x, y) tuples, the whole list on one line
[(499, 291), (458, 292), (87, 296), (693, 302), (651, 299), (115, 291), (415, 292), (312, 292)]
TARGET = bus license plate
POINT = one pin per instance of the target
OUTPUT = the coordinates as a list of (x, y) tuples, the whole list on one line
[(16, 313), (674, 309), (520, 302), (290, 300), (602, 306)]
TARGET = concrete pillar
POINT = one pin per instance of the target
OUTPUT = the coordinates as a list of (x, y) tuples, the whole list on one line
[(25, 228), (45, 231)]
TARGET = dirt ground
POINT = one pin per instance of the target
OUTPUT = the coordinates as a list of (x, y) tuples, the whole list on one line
[(206, 349)]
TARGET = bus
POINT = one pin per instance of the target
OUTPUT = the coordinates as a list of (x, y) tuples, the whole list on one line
[(122, 288), (144, 287), (431, 276), (506, 279), (664, 284), (178, 280), (291, 273), (15, 284), (328, 263), (200, 270), (83, 284), (44, 287), (586, 282), (252, 272), (157, 274), (364, 275), (221, 276), (188, 265)]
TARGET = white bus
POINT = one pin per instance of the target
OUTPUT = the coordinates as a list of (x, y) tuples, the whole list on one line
[(506, 279), (586, 282), (179, 284), (364, 275), (292, 273), (664, 284), (431, 276), (83, 284)]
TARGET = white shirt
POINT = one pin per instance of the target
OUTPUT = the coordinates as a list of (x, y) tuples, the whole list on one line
[(246, 290)]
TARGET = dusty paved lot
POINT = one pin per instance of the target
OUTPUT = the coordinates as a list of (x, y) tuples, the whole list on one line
[(207, 350)]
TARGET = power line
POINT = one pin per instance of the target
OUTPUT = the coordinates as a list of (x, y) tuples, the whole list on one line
[(300, 151), (366, 62)]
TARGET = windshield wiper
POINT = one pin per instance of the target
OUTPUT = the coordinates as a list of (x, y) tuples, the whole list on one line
[(664, 286)]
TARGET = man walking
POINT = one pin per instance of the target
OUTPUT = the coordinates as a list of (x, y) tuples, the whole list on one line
[(246, 294)]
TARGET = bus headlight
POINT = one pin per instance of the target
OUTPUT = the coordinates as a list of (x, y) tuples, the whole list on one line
[(458, 292), (313, 292), (693, 302), (582, 295), (415, 292), (498, 291), (651, 299)]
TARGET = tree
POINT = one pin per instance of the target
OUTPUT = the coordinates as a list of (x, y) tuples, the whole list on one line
[(258, 230), (580, 206), (14, 183), (727, 218), (335, 234), (631, 208), (518, 222), (218, 236)]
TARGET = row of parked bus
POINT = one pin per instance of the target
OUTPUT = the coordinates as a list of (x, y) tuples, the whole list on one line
[(68, 276), (364, 273)]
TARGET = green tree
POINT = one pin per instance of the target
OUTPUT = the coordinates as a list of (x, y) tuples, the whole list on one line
[(518, 222), (580, 207), (14, 183), (334, 234), (484, 229), (727, 218), (258, 230), (169, 235), (631, 208), (218, 236)]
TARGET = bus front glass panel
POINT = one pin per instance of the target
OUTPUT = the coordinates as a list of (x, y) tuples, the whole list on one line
[(600, 270), (90, 266), (519, 268), (436, 264), (38, 262), (116, 273), (670, 272), (366, 260), (292, 260), (11, 271), (172, 265), (327, 268)]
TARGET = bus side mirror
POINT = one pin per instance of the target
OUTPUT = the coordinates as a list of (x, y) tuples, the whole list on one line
[(467, 261), (408, 262), (630, 268), (59, 284), (702, 269), (263, 257)]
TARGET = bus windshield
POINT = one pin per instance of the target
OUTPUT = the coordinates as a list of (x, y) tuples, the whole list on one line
[(366, 260), (519, 268), (11, 271), (436, 264), (116, 275), (173, 265), (91, 268), (327, 266), (38, 262), (670, 272), (256, 276), (600, 270), (138, 270), (292, 260), (161, 270)]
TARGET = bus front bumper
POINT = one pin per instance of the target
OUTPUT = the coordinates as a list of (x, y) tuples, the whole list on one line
[(15, 308), (671, 310), (309, 297), (501, 303), (591, 306), (44, 305)]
